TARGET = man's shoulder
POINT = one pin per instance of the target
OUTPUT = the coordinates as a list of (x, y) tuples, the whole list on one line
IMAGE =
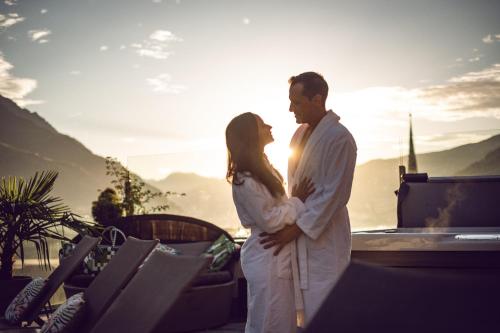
[(338, 132)]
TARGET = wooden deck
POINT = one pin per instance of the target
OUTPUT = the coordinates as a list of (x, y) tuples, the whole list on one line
[(229, 328)]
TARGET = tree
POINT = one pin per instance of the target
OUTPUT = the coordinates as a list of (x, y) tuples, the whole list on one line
[(29, 213), (107, 209), (134, 195)]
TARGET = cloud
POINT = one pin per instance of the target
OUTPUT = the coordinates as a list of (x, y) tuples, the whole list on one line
[(75, 72), (474, 93), (13, 87), (164, 36), (10, 2), (162, 84), (39, 35), (103, 48), (156, 46), (44, 11), (490, 39), (246, 20), (489, 74), (9, 20), (476, 58)]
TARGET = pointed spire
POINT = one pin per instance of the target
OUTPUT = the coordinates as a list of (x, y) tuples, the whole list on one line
[(412, 158)]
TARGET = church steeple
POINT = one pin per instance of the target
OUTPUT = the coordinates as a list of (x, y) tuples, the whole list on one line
[(412, 158)]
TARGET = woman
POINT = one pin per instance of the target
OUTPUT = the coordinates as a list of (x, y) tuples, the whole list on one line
[(262, 206)]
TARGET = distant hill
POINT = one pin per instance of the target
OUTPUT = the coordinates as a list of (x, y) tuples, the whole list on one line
[(489, 165), (28, 144)]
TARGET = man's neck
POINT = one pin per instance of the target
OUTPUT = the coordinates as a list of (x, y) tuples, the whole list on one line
[(315, 121)]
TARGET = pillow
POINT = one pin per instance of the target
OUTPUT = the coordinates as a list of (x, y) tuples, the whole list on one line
[(17, 308), (162, 248), (66, 317), (222, 250)]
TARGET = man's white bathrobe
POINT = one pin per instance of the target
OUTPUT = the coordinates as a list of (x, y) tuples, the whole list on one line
[(324, 249), (271, 300)]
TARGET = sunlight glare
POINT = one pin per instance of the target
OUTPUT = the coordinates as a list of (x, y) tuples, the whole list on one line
[(278, 154)]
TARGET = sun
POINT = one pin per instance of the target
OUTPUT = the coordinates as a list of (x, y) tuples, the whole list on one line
[(278, 154)]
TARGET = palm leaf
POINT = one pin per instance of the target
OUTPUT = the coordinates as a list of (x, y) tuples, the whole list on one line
[(30, 213)]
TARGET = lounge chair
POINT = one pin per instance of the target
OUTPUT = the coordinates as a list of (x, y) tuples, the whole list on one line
[(150, 294), (370, 298), (117, 273), (193, 236), (66, 267), (108, 284), (190, 236)]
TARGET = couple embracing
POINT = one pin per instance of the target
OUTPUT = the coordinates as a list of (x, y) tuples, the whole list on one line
[(299, 244)]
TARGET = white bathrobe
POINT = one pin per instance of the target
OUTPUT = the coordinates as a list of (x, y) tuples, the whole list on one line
[(271, 301), (324, 249)]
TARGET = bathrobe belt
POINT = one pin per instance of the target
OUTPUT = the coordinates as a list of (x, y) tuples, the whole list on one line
[(299, 270)]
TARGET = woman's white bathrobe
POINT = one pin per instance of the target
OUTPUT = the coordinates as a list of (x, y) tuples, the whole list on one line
[(271, 301), (328, 158)]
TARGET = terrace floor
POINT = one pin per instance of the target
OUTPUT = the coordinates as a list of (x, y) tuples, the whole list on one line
[(229, 328)]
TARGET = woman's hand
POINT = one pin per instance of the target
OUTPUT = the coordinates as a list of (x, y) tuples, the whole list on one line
[(303, 190)]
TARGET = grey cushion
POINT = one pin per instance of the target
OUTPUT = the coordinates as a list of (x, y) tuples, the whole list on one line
[(212, 278), (191, 249)]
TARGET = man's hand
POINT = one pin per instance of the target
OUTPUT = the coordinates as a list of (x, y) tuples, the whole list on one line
[(280, 238)]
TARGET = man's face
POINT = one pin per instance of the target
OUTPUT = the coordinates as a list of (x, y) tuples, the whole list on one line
[(300, 105)]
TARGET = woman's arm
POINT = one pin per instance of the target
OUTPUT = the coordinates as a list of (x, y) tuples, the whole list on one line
[(268, 214)]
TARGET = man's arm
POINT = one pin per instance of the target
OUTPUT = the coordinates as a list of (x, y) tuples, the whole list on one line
[(324, 204), (280, 238)]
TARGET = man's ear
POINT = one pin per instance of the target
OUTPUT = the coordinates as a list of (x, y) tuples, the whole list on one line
[(317, 100)]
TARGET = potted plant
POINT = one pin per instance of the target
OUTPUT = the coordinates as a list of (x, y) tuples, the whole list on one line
[(28, 214)]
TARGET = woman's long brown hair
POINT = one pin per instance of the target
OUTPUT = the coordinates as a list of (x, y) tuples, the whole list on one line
[(245, 153)]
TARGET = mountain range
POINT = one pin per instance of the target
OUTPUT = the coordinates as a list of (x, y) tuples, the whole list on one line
[(28, 143)]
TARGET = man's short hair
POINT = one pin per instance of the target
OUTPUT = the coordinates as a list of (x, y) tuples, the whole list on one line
[(313, 84)]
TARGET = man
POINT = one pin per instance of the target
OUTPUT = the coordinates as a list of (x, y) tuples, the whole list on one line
[(325, 151)]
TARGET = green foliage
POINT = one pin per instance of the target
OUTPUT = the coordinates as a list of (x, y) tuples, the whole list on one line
[(135, 196), (29, 213), (107, 209)]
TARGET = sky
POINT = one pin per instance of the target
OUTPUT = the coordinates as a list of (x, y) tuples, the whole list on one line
[(155, 82)]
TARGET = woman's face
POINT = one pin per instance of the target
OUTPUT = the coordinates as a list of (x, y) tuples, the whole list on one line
[(264, 132)]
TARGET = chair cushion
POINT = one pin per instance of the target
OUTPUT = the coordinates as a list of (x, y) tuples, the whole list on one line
[(212, 278), (66, 317), (192, 248), (222, 250), (17, 308), (161, 248)]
